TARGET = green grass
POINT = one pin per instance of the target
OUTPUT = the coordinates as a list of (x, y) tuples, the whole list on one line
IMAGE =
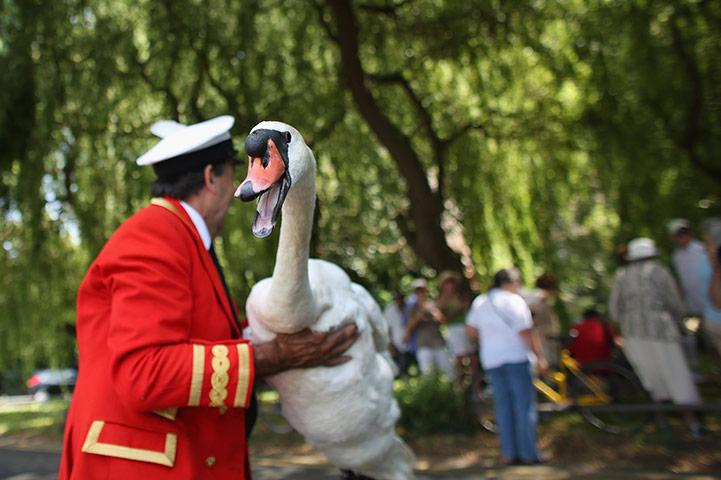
[(33, 419)]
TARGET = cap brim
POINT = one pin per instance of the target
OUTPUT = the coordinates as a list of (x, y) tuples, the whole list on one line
[(189, 139)]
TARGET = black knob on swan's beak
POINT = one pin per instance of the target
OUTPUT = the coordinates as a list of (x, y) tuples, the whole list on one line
[(256, 144), (246, 192)]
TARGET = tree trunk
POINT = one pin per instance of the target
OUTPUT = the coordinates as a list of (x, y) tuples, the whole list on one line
[(422, 226)]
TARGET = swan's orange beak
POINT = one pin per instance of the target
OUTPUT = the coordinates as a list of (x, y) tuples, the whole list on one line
[(263, 172)]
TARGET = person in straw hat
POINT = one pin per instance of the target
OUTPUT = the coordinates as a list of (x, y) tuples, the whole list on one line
[(645, 301), (165, 385)]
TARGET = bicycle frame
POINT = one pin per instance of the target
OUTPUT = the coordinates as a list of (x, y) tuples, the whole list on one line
[(570, 365)]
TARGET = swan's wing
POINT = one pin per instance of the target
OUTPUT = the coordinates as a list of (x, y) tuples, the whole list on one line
[(374, 316), (377, 321)]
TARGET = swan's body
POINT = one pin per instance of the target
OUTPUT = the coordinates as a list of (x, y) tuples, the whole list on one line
[(347, 411)]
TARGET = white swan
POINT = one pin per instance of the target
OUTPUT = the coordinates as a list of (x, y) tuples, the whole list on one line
[(348, 411)]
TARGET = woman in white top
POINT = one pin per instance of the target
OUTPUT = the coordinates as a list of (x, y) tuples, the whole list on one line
[(502, 321)]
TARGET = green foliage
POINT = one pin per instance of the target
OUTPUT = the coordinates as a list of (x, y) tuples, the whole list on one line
[(549, 132), (430, 404), (34, 419)]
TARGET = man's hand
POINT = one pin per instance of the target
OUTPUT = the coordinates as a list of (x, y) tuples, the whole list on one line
[(304, 349), (542, 366)]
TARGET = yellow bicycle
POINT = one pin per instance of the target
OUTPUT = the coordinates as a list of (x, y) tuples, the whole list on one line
[(606, 393)]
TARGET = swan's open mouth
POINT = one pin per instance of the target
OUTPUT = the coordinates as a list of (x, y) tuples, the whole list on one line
[(268, 180), (270, 204)]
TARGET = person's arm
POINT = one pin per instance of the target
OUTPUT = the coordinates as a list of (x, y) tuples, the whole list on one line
[(715, 287), (436, 313), (443, 300), (670, 293), (533, 344), (472, 333), (519, 311), (614, 300), (413, 318)]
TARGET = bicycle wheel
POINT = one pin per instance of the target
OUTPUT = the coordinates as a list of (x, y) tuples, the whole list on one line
[(620, 412), (269, 410), (482, 400)]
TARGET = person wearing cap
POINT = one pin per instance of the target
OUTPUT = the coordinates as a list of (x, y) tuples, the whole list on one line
[(425, 320), (454, 306), (165, 383), (646, 304), (685, 259)]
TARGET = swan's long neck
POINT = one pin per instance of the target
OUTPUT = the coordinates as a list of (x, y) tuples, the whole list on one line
[(291, 291)]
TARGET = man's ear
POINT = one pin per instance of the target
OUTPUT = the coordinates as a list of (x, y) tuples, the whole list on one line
[(209, 177)]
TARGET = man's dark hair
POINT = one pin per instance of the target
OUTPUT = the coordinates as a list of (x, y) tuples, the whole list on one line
[(590, 313), (546, 282), (187, 183), (504, 277)]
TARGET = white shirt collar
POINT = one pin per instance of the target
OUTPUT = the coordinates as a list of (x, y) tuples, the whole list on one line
[(199, 223)]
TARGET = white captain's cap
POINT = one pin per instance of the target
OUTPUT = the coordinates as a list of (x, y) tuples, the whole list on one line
[(185, 148)]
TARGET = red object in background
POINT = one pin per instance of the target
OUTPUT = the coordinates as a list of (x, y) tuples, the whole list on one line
[(593, 342), (32, 381)]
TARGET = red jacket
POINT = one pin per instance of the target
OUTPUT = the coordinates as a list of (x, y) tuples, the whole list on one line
[(164, 377), (594, 341)]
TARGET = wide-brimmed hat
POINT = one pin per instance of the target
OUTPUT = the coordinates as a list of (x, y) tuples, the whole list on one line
[(449, 275), (640, 248)]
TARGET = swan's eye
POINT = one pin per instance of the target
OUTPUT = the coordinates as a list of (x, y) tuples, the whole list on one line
[(287, 137)]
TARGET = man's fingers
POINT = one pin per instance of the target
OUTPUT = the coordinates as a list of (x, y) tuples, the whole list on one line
[(345, 334), (350, 330), (340, 341), (339, 348), (337, 361)]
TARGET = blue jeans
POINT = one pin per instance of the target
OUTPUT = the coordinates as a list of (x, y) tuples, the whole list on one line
[(515, 408)]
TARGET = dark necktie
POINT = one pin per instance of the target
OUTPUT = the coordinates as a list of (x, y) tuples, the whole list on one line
[(225, 285), (252, 410)]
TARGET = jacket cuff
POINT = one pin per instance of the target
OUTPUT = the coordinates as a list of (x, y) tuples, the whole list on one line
[(222, 375)]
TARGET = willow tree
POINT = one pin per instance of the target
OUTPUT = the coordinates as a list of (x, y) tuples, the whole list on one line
[(653, 104), (455, 134)]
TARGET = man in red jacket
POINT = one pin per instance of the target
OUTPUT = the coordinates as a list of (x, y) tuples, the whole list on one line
[(165, 380)]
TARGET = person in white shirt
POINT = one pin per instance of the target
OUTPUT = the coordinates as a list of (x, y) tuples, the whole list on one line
[(687, 258), (509, 346), (687, 255), (395, 317)]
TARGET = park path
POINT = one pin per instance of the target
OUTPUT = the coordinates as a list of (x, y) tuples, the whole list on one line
[(37, 465)]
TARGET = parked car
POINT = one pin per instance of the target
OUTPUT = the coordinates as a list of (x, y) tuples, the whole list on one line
[(49, 381)]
